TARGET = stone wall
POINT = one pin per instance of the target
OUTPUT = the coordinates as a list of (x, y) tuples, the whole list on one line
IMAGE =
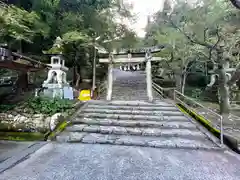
[(12, 121)]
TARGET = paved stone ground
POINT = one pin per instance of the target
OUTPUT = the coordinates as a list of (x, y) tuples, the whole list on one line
[(104, 162), (12, 152), (9, 148)]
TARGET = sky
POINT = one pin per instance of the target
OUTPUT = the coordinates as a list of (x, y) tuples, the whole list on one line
[(143, 8)]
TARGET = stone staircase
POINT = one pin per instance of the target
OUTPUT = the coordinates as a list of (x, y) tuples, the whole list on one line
[(129, 86), (136, 123)]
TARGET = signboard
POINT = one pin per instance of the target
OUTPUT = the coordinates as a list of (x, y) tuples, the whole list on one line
[(85, 95), (68, 93)]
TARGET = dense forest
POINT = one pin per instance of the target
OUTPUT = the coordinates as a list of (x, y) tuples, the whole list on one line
[(202, 40), (32, 26)]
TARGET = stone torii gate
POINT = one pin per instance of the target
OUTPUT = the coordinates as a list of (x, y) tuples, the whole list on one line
[(130, 58)]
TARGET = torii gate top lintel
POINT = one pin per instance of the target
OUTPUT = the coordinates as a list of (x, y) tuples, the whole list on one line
[(131, 57)]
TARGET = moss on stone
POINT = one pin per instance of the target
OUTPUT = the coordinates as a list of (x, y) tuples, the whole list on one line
[(21, 136), (200, 119), (59, 128)]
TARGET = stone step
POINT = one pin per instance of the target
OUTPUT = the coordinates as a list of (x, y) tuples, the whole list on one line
[(135, 117), (153, 108), (157, 132), (136, 123), (144, 141), (130, 103), (133, 112), (131, 97)]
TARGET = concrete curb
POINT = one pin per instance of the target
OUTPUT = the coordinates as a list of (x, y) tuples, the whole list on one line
[(21, 156), (229, 140)]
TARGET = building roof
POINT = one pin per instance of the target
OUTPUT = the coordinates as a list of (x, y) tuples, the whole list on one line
[(19, 62)]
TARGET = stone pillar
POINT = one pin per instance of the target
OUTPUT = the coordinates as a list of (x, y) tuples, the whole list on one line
[(128, 67), (149, 78), (110, 79)]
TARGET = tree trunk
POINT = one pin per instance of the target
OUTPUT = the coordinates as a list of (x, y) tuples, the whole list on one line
[(74, 75), (178, 80), (183, 83), (78, 77), (77, 84), (22, 82), (223, 89)]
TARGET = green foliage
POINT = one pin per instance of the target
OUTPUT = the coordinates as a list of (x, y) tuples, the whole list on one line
[(49, 106), (23, 22), (41, 105), (18, 24), (192, 32), (196, 93), (75, 36)]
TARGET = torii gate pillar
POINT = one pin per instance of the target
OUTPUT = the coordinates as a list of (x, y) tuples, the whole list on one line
[(149, 77), (110, 78)]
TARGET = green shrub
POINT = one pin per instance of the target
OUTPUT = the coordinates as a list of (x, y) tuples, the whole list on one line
[(196, 93), (48, 106)]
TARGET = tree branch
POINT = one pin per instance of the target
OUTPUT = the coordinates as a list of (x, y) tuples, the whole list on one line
[(205, 34), (195, 41), (215, 45)]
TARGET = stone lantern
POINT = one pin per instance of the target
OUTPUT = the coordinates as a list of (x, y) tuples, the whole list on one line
[(56, 84), (57, 77), (214, 75)]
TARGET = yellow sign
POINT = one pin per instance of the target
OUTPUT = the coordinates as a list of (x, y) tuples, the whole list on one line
[(85, 95)]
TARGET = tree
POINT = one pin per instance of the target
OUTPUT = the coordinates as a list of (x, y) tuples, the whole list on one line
[(32, 26), (209, 29), (19, 25)]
